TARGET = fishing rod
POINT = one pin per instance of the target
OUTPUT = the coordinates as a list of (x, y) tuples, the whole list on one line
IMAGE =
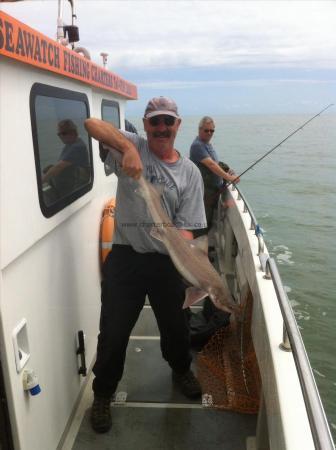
[(278, 145)]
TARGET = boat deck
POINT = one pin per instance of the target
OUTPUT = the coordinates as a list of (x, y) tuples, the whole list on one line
[(150, 414)]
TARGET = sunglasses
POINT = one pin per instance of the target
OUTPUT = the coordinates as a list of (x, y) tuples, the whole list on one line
[(208, 130), (167, 120), (63, 133)]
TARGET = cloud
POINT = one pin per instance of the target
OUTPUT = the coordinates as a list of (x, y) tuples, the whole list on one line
[(167, 34), (220, 56)]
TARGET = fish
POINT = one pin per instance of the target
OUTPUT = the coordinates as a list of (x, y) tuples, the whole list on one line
[(190, 257)]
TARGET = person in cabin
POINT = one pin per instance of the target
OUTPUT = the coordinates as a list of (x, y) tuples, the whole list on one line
[(215, 174), (138, 264), (72, 168)]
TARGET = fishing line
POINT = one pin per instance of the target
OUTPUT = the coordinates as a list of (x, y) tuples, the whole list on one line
[(278, 145)]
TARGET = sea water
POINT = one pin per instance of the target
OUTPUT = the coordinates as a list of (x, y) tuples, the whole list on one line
[(293, 195)]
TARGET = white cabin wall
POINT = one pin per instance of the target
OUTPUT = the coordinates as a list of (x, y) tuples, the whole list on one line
[(49, 267), (18, 154)]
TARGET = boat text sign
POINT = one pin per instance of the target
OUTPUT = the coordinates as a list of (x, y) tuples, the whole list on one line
[(27, 45)]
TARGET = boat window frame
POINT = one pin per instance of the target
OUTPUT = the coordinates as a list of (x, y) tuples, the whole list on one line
[(40, 89), (113, 103)]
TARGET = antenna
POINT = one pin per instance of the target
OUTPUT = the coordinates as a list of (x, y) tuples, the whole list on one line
[(104, 56)]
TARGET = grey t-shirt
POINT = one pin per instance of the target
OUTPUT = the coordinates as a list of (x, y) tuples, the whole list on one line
[(182, 198)]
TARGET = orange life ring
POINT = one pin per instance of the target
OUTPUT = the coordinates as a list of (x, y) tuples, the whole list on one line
[(107, 229)]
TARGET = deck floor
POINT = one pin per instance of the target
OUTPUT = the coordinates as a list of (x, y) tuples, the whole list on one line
[(155, 416), (163, 428)]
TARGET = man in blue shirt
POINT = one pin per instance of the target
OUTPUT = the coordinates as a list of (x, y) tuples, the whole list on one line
[(71, 170), (214, 173)]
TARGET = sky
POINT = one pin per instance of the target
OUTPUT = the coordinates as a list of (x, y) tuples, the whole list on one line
[(211, 57)]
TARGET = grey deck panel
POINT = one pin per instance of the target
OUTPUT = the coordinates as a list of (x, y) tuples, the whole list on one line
[(146, 324), (147, 376), (168, 429)]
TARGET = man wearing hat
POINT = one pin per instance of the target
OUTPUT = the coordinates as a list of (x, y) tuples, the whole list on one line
[(139, 265)]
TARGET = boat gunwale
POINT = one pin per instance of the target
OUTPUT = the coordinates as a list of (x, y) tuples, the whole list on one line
[(318, 422)]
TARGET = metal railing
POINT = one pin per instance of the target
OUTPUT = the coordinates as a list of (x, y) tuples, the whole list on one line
[(315, 412), (254, 224), (292, 340)]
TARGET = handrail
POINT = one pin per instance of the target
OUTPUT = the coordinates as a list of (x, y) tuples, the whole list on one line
[(246, 207), (315, 412), (254, 224), (317, 419)]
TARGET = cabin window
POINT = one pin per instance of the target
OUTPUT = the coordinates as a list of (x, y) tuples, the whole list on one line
[(63, 154), (110, 113)]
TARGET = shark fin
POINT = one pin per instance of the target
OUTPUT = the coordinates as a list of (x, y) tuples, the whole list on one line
[(157, 233), (201, 243), (193, 295)]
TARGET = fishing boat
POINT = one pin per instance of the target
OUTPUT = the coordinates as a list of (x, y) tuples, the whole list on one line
[(258, 388)]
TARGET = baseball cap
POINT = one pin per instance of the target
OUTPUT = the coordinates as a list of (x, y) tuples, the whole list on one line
[(161, 105)]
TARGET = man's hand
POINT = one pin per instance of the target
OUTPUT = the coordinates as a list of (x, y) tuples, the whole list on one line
[(55, 170), (107, 134), (234, 177), (217, 169), (187, 234)]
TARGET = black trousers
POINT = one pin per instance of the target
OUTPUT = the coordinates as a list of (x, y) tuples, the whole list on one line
[(128, 277)]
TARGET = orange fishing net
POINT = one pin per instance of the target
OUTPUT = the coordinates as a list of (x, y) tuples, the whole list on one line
[(227, 367)]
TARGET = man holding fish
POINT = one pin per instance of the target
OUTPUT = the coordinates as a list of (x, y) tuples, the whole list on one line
[(139, 264), (152, 247)]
